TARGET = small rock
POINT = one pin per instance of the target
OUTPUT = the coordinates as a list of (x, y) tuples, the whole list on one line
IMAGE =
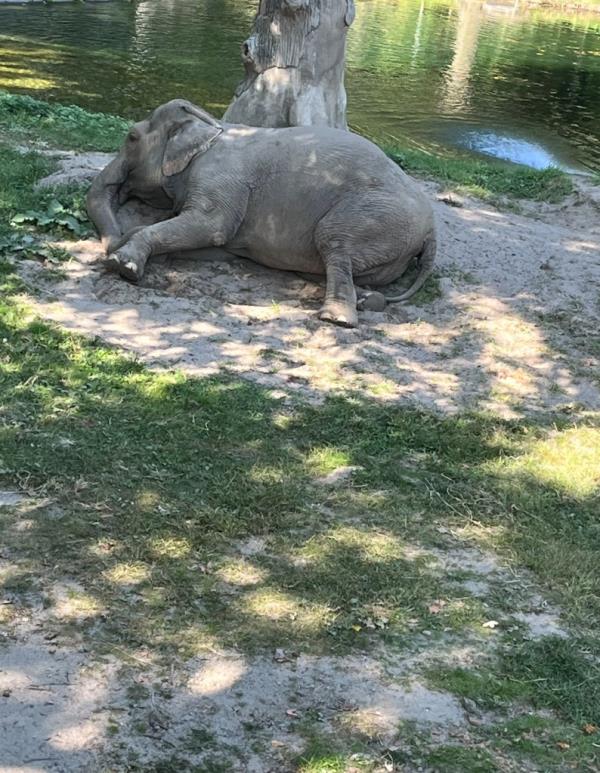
[(76, 168), (6, 693)]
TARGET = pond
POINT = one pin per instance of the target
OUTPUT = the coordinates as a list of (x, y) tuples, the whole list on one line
[(486, 77)]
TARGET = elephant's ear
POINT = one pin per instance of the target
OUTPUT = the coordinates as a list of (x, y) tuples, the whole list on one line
[(185, 142)]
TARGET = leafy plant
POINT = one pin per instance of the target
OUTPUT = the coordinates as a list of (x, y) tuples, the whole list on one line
[(55, 217), (29, 246)]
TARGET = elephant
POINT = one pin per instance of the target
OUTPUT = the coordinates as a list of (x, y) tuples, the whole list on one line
[(313, 200)]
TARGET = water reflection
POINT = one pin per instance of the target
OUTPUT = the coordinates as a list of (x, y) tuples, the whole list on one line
[(516, 149), (458, 74), (432, 73)]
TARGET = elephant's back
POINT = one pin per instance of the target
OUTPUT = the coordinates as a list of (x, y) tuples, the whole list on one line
[(338, 157)]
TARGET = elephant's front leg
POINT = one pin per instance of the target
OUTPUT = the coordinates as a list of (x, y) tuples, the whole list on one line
[(339, 306), (189, 230)]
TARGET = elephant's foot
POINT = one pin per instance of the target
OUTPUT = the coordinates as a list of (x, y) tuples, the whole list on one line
[(371, 301), (339, 313), (127, 264)]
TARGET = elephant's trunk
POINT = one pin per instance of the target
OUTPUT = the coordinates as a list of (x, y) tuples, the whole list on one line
[(102, 200)]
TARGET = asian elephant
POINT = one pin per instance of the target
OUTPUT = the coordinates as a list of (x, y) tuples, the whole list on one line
[(307, 199)]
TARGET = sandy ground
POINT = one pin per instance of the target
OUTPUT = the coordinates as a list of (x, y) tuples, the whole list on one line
[(515, 297), (515, 301)]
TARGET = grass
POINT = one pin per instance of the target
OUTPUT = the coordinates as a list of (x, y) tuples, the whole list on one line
[(61, 126), (485, 179), (143, 472)]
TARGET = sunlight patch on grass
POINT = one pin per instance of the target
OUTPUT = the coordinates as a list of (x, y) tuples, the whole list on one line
[(243, 573), (124, 573), (28, 82), (329, 763), (282, 421), (275, 605), (147, 500), (103, 548), (383, 388), (485, 536), (265, 474), (568, 461), (322, 461), (373, 546), (75, 605), (170, 547)]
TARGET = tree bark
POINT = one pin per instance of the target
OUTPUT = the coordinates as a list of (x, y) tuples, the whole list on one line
[(294, 60)]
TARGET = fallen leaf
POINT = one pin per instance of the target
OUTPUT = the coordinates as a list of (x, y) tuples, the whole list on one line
[(563, 745), (292, 713), (491, 624), (590, 729), (356, 628)]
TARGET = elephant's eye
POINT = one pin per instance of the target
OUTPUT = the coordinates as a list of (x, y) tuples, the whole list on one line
[(133, 136)]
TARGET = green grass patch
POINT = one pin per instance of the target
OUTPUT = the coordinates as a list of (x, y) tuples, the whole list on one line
[(553, 673), (322, 761), (557, 674), (61, 126), (458, 759), (485, 179), (483, 686), (546, 742)]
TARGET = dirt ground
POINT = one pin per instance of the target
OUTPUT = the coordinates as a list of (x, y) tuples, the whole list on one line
[(503, 326)]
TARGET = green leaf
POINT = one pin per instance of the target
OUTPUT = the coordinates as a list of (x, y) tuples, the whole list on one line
[(55, 207)]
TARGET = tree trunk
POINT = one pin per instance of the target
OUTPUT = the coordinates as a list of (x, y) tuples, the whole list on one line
[(294, 60)]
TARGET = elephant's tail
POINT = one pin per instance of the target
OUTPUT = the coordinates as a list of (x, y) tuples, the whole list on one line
[(426, 261)]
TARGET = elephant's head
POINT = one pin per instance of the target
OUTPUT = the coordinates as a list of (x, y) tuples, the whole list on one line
[(155, 150)]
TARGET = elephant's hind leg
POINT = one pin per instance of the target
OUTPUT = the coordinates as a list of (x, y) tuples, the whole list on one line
[(360, 234), (339, 306)]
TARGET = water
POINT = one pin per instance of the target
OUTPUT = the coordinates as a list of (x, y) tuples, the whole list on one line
[(485, 77)]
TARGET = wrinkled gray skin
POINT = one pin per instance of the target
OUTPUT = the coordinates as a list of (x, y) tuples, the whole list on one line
[(306, 199)]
